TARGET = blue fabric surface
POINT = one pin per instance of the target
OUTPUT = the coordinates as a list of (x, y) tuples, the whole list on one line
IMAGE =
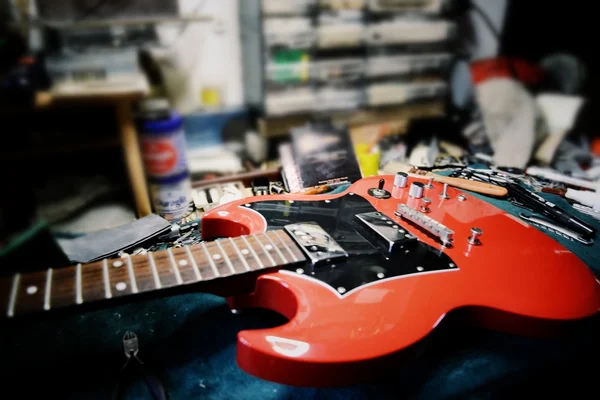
[(189, 341)]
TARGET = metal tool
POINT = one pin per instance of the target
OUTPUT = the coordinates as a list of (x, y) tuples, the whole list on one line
[(561, 230), (134, 368)]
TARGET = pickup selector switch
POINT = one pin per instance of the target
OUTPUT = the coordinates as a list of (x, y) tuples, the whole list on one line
[(379, 192)]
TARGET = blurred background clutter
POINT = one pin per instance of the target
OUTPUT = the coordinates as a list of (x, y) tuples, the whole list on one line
[(116, 110)]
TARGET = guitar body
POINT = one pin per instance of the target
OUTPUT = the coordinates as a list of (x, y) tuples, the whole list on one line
[(348, 318)]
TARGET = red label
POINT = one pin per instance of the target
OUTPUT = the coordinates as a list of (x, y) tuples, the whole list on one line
[(160, 156)]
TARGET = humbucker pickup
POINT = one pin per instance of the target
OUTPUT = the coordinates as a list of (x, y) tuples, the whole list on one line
[(316, 243), (386, 232), (442, 232)]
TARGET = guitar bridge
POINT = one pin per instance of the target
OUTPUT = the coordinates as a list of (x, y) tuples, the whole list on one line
[(441, 231)]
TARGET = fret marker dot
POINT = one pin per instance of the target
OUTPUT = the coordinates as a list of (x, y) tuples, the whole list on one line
[(121, 286), (269, 247), (118, 264), (244, 252), (216, 256), (291, 201), (183, 263), (32, 289), (419, 268), (327, 201), (380, 275), (341, 289), (300, 271)]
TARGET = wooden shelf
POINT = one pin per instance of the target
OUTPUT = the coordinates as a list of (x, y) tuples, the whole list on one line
[(60, 151), (400, 114), (125, 21)]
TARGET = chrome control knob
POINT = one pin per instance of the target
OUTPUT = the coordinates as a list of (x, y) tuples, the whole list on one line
[(416, 190), (474, 238), (400, 179)]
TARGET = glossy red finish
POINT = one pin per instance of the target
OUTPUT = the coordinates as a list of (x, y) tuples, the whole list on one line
[(516, 271)]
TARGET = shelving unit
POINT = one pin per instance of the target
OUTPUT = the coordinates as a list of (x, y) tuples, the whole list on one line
[(309, 56)]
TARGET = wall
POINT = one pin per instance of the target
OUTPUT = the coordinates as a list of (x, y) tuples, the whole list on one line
[(485, 44), (208, 52)]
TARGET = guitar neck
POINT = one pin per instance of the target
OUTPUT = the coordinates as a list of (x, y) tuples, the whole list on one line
[(111, 278)]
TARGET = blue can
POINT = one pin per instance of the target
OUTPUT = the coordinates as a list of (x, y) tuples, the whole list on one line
[(164, 153)]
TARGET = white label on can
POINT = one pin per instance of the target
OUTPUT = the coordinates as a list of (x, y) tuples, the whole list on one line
[(164, 155), (171, 200)]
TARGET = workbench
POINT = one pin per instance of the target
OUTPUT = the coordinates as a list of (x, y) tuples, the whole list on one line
[(189, 341)]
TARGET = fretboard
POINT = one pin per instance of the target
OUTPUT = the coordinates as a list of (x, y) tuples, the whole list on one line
[(110, 278)]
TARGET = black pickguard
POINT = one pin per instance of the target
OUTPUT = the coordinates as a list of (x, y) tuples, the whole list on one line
[(366, 261)]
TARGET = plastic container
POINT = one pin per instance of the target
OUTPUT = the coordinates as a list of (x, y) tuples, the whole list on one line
[(165, 161)]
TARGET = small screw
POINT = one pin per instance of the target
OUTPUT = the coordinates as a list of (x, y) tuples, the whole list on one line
[(462, 197)]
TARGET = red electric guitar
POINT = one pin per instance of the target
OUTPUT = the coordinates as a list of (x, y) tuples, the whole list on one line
[(362, 276)]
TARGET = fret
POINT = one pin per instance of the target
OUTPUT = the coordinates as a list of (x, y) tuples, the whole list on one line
[(143, 274), (252, 262), (225, 256), (279, 253), (260, 251), (184, 266), (175, 267), (93, 282), (253, 252), (154, 271), (78, 294), (204, 266), (13, 295), (290, 252), (48, 289), (119, 277), (210, 259), (63, 287), (164, 266), (188, 252), (30, 293), (132, 280), (239, 254), (266, 250), (291, 245), (106, 279), (218, 259)]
